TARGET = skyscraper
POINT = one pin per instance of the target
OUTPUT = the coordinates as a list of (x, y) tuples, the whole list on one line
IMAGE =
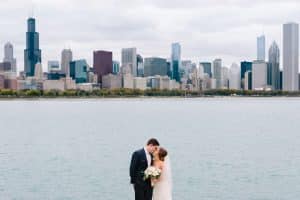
[(155, 66), (140, 65), (186, 67), (235, 77), (290, 57), (261, 48), (248, 80), (259, 75), (9, 56), (32, 53), (245, 66), (224, 78), (207, 68), (103, 63), (38, 72), (274, 72), (129, 58), (176, 61), (217, 72), (78, 71), (66, 58)]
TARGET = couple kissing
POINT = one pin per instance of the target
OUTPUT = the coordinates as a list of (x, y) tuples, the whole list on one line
[(150, 172)]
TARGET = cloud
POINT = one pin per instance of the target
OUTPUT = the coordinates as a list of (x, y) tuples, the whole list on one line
[(206, 29)]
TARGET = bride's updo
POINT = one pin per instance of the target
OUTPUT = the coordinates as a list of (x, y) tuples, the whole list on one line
[(162, 153)]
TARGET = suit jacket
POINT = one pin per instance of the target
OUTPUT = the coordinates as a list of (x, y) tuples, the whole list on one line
[(138, 166)]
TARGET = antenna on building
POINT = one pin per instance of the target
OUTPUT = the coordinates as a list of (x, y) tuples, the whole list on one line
[(31, 11)]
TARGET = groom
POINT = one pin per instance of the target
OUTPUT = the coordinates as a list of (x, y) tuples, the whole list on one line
[(140, 161)]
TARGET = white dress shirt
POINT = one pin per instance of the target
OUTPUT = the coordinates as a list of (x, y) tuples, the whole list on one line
[(148, 156)]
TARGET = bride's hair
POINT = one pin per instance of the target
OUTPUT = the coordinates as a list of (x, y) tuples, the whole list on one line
[(162, 153)]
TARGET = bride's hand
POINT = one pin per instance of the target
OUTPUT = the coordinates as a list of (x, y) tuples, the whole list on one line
[(153, 181)]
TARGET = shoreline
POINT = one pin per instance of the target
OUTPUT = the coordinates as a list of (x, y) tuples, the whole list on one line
[(145, 97), (142, 94)]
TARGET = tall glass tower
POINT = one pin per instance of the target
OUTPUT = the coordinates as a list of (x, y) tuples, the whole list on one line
[(261, 48), (32, 53), (273, 70), (176, 61)]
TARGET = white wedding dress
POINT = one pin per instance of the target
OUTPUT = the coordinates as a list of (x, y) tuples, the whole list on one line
[(163, 188)]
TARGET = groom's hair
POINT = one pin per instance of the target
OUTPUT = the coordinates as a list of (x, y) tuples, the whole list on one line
[(153, 142)]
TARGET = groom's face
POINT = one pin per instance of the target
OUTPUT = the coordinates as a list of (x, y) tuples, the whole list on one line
[(153, 149)]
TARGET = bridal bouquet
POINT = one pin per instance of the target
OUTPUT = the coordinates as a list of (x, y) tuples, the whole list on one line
[(152, 173)]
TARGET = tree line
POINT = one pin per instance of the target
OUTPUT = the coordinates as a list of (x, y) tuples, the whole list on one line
[(4, 93)]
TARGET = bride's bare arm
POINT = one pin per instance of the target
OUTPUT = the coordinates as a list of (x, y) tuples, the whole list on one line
[(159, 166)]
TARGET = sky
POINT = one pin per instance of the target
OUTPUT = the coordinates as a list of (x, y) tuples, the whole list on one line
[(206, 29)]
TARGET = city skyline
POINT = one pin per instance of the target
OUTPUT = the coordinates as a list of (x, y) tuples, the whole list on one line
[(151, 35)]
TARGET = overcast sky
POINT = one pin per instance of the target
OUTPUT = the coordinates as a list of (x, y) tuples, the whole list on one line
[(206, 29)]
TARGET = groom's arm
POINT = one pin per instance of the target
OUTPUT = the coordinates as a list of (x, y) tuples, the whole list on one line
[(133, 165)]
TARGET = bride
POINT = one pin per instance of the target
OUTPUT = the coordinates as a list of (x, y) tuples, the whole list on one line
[(163, 186)]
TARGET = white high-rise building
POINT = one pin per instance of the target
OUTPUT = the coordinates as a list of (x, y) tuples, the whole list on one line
[(225, 78), (38, 72), (259, 75), (217, 72), (129, 58), (66, 58), (201, 71), (261, 48), (9, 56), (235, 77), (290, 57)]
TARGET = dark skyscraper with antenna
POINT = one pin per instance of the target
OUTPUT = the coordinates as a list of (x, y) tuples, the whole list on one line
[(32, 53)]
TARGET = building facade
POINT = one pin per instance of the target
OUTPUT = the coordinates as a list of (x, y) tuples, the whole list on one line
[(9, 56), (176, 61), (53, 66), (116, 67), (248, 80), (78, 71), (261, 48), (140, 83), (273, 69), (66, 58), (140, 66), (103, 64), (234, 77), (38, 72), (259, 75), (207, 68), (129, 58), (290, 57), (112, 81), (155, 66), (217, 72), (32, 53)]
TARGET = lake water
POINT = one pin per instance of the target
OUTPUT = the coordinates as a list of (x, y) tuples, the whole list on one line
[(221, 148)]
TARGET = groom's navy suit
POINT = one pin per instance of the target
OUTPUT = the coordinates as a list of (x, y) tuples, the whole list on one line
[(139, 163)]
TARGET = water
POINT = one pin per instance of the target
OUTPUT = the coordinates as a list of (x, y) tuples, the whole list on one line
[(221, 148)]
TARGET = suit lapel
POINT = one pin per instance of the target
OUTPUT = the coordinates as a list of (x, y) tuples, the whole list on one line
[(145, 156)]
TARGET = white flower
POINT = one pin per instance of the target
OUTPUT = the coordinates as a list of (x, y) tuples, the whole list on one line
[(152, 172)]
